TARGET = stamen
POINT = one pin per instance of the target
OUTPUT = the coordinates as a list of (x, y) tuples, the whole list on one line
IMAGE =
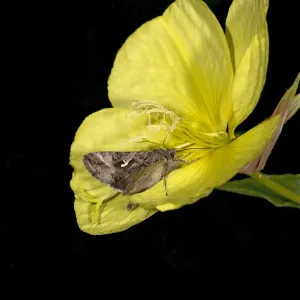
[(184, 145), (159, 111), (159, 118), (138, 139)]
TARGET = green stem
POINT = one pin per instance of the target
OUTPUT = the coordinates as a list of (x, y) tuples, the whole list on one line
[(275, 187)]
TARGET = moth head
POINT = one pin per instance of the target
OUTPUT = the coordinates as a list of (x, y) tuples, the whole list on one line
[(173, 153)]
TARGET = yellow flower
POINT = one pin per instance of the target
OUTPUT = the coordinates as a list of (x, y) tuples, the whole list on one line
[(180, 78)]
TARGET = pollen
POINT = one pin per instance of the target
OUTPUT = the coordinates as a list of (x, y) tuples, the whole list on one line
[(159, 119), (157, 114)]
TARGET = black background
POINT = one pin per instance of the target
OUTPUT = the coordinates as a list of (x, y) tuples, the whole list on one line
[(56, 67)]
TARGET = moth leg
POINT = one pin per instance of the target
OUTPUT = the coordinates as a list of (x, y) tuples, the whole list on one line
[(165, 185), (165, 140), (187, 161), (184, 156), (190, 161), (131, 206)]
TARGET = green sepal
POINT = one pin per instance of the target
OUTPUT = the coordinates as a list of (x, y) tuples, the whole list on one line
[(255, 188)]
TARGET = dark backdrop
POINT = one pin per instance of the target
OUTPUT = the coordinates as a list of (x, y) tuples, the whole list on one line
[(56, 70)]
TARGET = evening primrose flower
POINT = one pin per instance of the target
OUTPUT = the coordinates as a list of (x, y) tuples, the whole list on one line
[(178, 81)]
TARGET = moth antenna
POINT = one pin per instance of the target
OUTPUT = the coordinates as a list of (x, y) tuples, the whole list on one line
[(189, 149), (165, 186), (165, 140), (149, 141), (187, 161), (184, 156), (190, 161)]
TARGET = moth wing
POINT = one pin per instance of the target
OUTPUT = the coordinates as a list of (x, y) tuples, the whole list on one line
[(109, 167), (144, 179), (130, 172)]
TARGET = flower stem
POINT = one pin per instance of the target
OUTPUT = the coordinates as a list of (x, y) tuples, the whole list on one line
[(276, 187)]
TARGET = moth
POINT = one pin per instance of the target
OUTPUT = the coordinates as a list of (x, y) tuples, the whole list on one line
[(132, 172)]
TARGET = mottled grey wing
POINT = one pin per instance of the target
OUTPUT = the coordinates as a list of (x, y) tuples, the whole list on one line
[(102, 166), (121, 170), (110, 167)]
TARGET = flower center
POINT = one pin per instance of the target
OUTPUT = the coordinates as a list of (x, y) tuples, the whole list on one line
[(189, 132), (180, 133)]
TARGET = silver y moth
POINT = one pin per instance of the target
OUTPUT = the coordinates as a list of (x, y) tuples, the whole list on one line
[(131, 172)]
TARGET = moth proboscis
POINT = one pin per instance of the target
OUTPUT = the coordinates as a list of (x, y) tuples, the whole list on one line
[(132, 172)]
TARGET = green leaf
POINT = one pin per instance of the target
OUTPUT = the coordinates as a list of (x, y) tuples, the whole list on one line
[(254, 188)]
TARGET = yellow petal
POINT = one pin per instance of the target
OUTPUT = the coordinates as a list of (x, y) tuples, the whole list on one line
[(101, 131), (113, 215), (180, 60), (168, 206), (110, 129), (105, 130), (196, 180), (247, 35)]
